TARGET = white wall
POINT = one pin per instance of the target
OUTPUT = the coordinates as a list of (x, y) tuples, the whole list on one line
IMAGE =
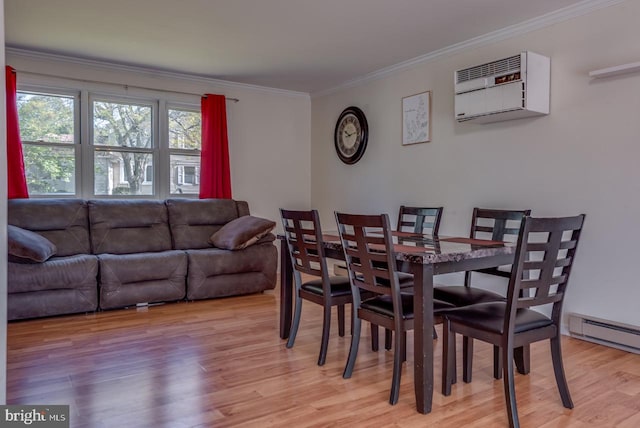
[(269, 130), (582, 158)]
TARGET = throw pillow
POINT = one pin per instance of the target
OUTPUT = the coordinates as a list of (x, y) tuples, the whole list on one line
[(241, 232), (28, 247)]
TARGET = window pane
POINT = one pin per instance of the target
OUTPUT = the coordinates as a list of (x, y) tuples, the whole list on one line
[(45, 118), (122, 173), (49, 169), (184, 129), (185, 174), (121, 125)]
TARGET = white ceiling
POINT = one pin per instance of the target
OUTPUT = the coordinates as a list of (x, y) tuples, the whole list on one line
[(299, 45)]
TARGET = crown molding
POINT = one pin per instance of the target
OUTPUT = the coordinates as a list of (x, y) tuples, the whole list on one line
[(109, 66), (560, 15)]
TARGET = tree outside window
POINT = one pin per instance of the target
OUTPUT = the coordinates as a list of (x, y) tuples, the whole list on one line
[(47, 131), (122, 138), (184, 148)]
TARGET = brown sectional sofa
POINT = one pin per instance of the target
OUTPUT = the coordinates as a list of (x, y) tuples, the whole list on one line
[(117, 253)]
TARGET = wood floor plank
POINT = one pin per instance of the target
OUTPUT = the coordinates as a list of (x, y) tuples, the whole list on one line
[(220, 363)]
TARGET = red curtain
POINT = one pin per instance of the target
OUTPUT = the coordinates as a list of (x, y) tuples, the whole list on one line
[(215, 174), (16, 181)]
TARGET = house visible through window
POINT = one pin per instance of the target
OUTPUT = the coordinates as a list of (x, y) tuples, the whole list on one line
[(148, 174), (135, 147)]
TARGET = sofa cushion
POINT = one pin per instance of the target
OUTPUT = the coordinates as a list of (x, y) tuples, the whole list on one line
[(193, 221), (128, 226), (242, 232), (57, 273), (128, 279), (64, 222), (214, 272), (61, 285), (28, 247)]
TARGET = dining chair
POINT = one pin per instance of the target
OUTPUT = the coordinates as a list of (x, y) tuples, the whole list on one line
[(494, 225), (368, 248), (304, 240), (418, 220), (544, 256)]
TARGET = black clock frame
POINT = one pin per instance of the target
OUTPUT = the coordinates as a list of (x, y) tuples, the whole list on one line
[(364, 137)]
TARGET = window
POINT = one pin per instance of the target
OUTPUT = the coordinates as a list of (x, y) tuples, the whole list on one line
[(128, 147), (123, 147), (48, 133), (184, 151)]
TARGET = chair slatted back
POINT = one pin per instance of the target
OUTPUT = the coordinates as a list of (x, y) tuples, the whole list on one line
[(496, 225), (419, 219), (304, 239), (368, 248), (544, 257)]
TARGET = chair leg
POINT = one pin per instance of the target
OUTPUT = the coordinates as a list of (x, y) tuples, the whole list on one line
[(404, 347), (341, 320), (295, 323), (497, 362), (388, 338), (326, 328), (352, 319), (448, 357), (467, 358), (353, 351), (510, 387), (375, 341), (522, 357), (435, 333), (558, 369), (398, 353)]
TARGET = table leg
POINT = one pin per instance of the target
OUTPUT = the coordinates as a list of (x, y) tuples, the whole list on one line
[(286, 289), (423, 336)]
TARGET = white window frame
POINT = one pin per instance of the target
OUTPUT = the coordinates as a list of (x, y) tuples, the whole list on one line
[(75, 95), (84, 94), (95, 148), (182, 151)]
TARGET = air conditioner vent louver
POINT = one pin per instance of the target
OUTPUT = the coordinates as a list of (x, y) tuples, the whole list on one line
[(502, 66)]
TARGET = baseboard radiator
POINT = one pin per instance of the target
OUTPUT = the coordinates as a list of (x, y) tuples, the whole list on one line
[(605, 332)]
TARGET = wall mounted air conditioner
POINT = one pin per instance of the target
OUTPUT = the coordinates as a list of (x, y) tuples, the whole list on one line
[(509, 88)]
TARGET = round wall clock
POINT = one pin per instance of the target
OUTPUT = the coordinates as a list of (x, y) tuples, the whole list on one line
[(351, 135)]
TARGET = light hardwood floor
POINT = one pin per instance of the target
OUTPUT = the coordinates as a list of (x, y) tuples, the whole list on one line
[(220, 363)]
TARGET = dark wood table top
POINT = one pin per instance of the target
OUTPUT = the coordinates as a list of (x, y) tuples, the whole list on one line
[(431, 249)]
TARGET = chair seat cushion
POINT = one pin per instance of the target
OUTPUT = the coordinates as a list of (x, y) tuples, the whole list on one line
[(459, 295), (405, 280), (490, 317), (340, 286), (384, 305)]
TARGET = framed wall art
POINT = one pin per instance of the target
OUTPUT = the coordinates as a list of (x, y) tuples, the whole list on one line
[(416, 118)]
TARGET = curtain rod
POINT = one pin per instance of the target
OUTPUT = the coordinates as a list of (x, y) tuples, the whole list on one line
[(125, 86)]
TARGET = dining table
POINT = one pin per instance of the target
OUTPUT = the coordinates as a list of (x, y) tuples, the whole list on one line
[(424, 256)]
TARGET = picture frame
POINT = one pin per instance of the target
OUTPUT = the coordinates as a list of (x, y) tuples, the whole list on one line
[(416, 118)]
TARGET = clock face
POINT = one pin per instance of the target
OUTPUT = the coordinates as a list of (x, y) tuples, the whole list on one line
[(351, 135)]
